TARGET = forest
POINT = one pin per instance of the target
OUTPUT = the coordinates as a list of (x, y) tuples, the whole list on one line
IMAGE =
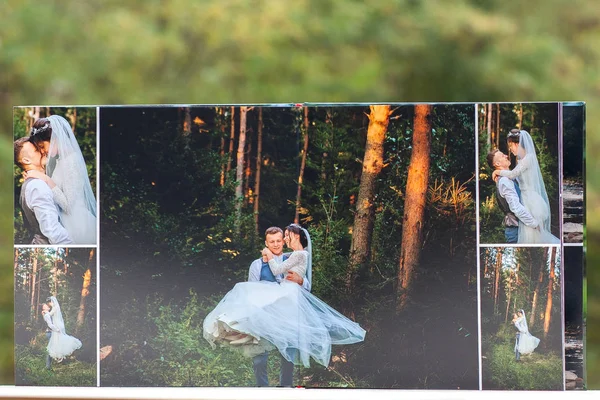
[(526, 278), (495, 122), (69, 275), (386, 192), (83, 123)]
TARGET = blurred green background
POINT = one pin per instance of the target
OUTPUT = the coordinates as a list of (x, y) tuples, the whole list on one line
[(223, 51)]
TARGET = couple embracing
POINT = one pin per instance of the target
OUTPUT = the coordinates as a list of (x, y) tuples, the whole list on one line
[(60, 345), (58, 204), (521, 192), (275, 310)]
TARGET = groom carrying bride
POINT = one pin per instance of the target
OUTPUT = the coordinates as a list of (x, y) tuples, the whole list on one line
[(260, 271)]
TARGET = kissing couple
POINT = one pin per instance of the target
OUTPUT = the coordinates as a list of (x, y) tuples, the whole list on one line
[(272, 312), (521, 192), (58, 204)]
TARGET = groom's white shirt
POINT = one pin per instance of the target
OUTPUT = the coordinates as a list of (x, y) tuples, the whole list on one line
[(506, 188), (38, 197), (48, 320), (256, 266)]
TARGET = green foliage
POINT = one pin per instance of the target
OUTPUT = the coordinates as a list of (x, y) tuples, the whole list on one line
[(536, 371), (31, 367)]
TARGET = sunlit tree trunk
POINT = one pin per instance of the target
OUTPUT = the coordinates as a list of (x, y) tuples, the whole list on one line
[(239, 196), (497, 126), (509, 285), (548, 313), (302, 166), (536, 295), (520, 116), (362, 230), (248, 170), (231, 140), (414, 205), (258, 167), (497, 278), (33, 282), (187, 121), (489, 125), (222, 148), (85, 291), (39, 289), (73, 119)]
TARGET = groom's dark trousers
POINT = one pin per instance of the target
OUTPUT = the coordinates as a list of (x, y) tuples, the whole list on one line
[(260, 361), (48, 358)]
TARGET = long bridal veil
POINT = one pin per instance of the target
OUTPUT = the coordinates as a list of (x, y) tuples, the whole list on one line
[(534, 195), (66, 166), (527, 342)]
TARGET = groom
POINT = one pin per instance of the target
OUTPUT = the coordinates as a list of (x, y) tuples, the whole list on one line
[(39, 209), (260, 271), (46, 307), (508, 195)]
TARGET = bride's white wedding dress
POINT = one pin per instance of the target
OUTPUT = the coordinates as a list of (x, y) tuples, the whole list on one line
[(533, 193), (527, 342), (72, 193), (60, 345), (283, 316)]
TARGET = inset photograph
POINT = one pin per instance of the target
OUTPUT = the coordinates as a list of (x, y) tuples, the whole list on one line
[(55, 175), (55, 316), (573, 177), (289, 246), (521, 320), (518, 173)]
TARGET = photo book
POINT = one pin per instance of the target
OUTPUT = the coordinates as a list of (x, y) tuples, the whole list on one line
[(369, 246)]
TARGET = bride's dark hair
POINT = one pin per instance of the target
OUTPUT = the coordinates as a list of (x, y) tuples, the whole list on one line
[(514, 136), (41, 131), (297, 229)]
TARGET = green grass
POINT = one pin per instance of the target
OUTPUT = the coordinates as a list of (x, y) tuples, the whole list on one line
[(31, 369)]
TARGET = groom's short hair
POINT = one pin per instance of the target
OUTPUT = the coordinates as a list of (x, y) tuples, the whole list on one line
[(490, 158), (19, 143), (273, 230)]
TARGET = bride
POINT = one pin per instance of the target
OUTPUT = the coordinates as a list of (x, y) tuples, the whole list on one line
[(259, 316), (533, 191), (67, 176), (60, 345), (527, 342)]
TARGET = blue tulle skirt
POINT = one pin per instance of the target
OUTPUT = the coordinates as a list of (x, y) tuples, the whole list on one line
[(283, 316)]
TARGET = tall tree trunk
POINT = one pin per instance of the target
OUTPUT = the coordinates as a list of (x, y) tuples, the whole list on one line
[(536, 295), (39, 287), (33, 282), (222, 149), (187, 121), (55, 275), (239, 196), (85, 291), (497, 277), (414, 205), (489, 125), (485, 262), (329, 123), (548, 313), (362, 230), (258, 167), (73, 119), (520, 116), (302, 166), (231, 140), (509, 295), (497, 125), (248, 170)]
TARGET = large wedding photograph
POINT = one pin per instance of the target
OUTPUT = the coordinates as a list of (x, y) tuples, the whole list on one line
[(518, 173), (55, 175), (521, 318), (55, 316), (320, 246)]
